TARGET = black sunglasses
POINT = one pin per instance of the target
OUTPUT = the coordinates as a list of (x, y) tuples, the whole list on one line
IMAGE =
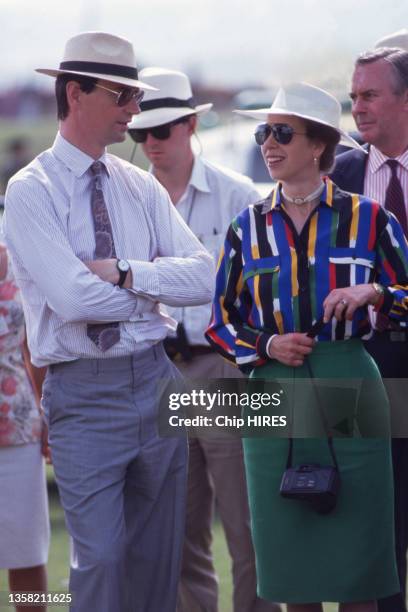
[(161, 132), (124, 95), (282, 133)]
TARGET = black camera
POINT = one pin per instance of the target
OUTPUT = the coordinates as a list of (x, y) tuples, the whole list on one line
[(178, 346), (316, 484)]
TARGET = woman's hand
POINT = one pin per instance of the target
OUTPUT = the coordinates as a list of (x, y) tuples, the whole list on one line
[(45, 447), (290, 349), (342, 303)]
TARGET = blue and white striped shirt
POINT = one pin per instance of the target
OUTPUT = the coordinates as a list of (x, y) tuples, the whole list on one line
[(48, 229)]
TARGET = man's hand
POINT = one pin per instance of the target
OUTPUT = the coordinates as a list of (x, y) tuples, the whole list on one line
[(107, 271), (291, 349), (342, 303)]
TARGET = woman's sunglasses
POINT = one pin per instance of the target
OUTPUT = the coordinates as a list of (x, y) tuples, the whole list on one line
[(124, 95), (160, 132), (282, 133)]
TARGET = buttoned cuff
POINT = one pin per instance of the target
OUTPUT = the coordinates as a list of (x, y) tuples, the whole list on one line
[(145, 280)]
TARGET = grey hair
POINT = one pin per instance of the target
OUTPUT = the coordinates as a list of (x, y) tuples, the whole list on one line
[(396, 57)]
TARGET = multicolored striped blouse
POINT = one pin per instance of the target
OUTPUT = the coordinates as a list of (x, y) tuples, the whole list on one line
[(271, 280)]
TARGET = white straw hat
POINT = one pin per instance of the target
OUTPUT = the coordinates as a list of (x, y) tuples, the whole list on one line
[(101, 56), (308, 102), (397, 39), (172, 99)]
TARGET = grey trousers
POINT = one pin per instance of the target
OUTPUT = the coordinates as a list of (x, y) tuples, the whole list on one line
[(122, 487), (216, 474)]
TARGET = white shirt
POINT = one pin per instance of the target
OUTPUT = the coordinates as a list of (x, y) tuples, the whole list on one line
[(213, 197), (48, 228)]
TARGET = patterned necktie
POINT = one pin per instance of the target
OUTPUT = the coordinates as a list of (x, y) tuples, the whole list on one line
[(394, 202), (394, 198), (104, 335)]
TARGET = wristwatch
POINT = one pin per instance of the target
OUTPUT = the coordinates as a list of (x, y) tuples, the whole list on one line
[(123, 266), (379, 289)]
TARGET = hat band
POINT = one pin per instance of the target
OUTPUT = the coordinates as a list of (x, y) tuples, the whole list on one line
[(166, 103), (101, 68)]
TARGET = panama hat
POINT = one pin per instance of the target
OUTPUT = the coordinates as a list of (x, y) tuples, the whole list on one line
[(397, 39), (101, 56), (172, 99), (308, 102)]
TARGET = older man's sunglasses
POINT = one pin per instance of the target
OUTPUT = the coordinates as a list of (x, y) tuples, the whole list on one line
[(124, 95), (160, 132), (282, 133)]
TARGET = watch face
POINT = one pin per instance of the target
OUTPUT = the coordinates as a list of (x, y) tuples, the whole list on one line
[(123, 265)]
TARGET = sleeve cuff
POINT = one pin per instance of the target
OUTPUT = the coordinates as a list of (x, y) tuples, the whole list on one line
[(385, 303), (263, 343), (145, 278)]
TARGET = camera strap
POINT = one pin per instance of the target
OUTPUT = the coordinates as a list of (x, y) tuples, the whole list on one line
[(322, 416)]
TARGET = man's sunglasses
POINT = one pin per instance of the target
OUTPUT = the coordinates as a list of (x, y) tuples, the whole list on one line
[(160, 132), (282, 133), (124, 95)]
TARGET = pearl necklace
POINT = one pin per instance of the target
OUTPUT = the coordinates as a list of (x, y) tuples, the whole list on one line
[(309, 198)]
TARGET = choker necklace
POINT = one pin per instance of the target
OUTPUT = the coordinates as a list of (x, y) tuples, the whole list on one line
[(309, 198)]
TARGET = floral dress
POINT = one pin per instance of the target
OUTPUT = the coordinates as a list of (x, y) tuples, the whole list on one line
[(20, 421)]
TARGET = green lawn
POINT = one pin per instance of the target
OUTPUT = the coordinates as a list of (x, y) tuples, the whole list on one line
[(58, 566)]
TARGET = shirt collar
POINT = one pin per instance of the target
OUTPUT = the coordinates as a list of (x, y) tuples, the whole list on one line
[(328, 197), (376, 159), (73, 158), (198, 178)]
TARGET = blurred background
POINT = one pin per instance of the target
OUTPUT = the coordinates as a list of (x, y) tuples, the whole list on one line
[(236, 53)]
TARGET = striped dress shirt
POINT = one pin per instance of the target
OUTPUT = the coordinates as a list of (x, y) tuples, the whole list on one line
[(48, 228), (378, 175), (271, 280)]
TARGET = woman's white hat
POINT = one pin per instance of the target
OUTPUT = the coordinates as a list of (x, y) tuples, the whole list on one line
[(101, 56), (396, 39), (308, 102), (172, 99)]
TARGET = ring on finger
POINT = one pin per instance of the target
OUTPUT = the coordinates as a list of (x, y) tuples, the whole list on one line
[(344, 302)]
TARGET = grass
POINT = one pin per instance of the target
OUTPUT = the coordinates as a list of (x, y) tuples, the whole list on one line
[(58, 565)]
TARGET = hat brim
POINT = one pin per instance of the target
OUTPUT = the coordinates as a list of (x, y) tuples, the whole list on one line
[(105, 77), (263, 113), (160, 116)]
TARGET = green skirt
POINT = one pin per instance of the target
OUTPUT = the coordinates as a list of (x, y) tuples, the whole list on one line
[(347, 555)]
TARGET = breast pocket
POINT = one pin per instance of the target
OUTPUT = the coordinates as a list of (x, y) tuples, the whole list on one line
[(261, 277), (213, 244), (352, 266)]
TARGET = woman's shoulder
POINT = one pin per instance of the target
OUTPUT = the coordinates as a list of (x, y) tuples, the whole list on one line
[(354, 199)]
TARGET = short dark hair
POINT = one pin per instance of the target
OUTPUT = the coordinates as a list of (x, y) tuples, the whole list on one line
[(86, 84), (397, 58), (329, 137)]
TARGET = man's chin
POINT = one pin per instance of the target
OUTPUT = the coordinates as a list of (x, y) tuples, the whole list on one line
[(117, 137), (367, 133)]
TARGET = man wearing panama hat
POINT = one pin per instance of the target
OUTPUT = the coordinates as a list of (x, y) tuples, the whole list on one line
[(313, 257), (207, 197), (97, 246)]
